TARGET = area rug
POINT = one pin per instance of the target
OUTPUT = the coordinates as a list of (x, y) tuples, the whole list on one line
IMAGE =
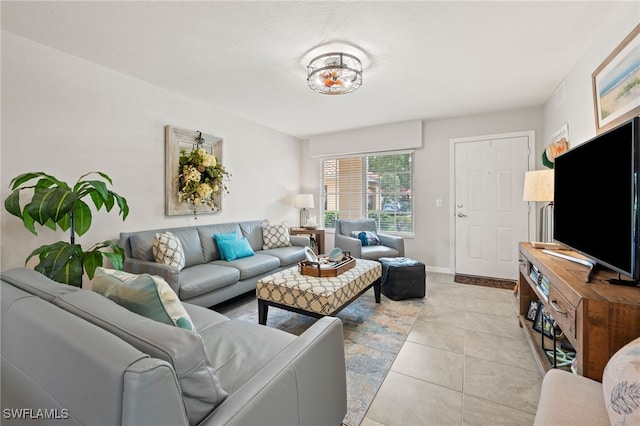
[(484, 281), (373, 336)]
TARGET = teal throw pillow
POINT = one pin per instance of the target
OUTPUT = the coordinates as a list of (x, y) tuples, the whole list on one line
[(234, 249), (367, 238), (231, 236), (145, 294)]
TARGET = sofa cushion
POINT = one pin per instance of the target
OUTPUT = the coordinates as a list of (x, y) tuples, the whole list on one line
[(205, 278), (144, 294), (275, 236), (191, 245), (252, 266), (37, 284), (206, 233), (167, 249), (621, 385), (239, 349), (183, 349), (287, 255), (253, 231), (142, 246)]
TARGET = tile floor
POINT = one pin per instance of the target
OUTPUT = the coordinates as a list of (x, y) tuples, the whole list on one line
[(465, 362)]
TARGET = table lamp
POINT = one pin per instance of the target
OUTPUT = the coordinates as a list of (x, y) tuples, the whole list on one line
[(304, 202), (538, 186)]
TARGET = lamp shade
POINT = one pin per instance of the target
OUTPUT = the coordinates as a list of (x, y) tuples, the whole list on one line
[(304, 201), (538, 185)]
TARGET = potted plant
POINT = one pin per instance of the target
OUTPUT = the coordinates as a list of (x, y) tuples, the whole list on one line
[(55, 204)]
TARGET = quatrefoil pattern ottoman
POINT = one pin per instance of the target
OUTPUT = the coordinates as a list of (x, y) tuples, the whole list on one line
[(319, 295)]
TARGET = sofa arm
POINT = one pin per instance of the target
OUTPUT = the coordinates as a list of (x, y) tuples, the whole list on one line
[(393, 241), (300, 240), (171, 274), (349, 244), (287, 391)]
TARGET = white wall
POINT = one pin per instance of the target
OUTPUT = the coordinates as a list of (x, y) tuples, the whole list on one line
[(573, 101), (66, 116), (431, 242)]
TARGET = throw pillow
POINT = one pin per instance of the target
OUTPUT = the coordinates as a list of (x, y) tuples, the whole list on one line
[(275, 236), (168, 249), (231, 236), (233, 249), (367, 238), (621, 385), (145, 294)]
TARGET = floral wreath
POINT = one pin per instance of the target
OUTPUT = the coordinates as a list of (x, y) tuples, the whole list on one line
[(201, 177)]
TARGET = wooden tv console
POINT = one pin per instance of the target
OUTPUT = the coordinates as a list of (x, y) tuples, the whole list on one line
[(598, 318)]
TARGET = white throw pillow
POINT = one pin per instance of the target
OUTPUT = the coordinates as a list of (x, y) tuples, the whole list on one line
[(621, 385), (145, 294), (275, 236), (168, 249)]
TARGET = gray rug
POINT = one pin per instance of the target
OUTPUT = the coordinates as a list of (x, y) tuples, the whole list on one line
[(373, 336)]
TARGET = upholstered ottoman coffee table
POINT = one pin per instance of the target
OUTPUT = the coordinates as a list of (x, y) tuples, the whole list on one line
[(315, 296)]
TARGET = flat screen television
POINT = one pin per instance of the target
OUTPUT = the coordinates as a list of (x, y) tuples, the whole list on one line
[(596, 199)]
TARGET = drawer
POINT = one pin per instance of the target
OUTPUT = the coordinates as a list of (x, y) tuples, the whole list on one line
[(562, 311)]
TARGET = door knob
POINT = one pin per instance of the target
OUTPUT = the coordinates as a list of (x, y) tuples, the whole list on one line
[(462, 215)]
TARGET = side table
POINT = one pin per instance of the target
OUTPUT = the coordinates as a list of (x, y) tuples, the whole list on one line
[(317, 237)]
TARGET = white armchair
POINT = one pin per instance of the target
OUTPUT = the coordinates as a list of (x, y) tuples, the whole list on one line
[(391, 245)]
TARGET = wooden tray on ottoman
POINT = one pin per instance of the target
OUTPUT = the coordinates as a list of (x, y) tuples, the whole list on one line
[(314, 269)]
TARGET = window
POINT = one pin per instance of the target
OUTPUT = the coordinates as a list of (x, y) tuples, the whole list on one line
[(375, 186)]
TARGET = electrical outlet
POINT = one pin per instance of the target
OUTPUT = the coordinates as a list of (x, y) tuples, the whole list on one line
[(438, 202)]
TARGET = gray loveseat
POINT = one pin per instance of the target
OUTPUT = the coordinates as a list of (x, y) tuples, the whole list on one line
[(206, 280), (72, 356)]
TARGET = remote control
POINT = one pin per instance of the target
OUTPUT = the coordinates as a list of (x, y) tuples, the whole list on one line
[(548, 246)]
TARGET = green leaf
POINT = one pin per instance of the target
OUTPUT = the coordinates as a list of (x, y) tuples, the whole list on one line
[(91, 260), (60, 203), (29, 223), (25, 177), (37, 208), (71, 273), (60, 262), (122, 204), (97, 199), (12, 204), (81, 217), (100, 187)]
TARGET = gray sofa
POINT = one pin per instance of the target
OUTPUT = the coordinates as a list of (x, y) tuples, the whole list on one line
[(72, 356), (206, 280)]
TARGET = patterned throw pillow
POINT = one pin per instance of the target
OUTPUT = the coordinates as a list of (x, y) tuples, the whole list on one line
[(621, 385), (145, 294), (168, 249), (275, 236), (367, 238)]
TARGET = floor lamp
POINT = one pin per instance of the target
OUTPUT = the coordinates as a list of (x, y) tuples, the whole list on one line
[(538, 186)]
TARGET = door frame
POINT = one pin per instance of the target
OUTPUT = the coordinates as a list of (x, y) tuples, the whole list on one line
[(531, 135)]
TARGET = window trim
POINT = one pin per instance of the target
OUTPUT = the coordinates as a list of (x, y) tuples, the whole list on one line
[(365, 155)]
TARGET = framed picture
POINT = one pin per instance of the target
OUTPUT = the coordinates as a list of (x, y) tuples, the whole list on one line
[(616, 83), (178, 142), (532, 310), (543, 323)]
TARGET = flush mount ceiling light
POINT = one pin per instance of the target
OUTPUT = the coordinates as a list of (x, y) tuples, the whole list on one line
[(334, 73)]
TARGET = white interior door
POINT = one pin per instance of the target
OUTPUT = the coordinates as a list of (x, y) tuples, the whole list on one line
[(490, 216)]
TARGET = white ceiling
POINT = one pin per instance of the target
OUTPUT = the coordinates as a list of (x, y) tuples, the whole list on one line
[(423, 60)]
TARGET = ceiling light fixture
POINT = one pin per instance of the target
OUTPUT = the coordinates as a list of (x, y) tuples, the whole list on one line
[(334, 73)]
